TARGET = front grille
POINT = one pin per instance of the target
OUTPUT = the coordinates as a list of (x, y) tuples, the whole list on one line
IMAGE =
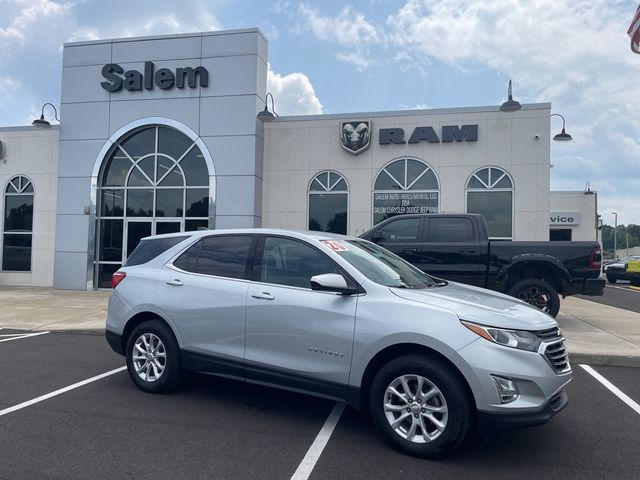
[(548, 334), (557, 356)]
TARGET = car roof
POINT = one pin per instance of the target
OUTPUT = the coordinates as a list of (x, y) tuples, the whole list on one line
[(263, 231)]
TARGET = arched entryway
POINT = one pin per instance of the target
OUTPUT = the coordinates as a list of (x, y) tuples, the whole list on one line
[(153, 179)]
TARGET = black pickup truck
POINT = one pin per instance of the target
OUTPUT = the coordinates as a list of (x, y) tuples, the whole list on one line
[(456, 247)]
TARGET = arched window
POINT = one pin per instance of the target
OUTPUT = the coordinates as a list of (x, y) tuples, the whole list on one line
[(18, 225), (328, 203), (154, 180), (405, 186), (490, 192)]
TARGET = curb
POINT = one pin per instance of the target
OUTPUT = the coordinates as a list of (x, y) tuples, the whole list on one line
[(604, 360)]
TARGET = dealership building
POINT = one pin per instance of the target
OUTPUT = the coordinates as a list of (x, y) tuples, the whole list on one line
[(170, 133)]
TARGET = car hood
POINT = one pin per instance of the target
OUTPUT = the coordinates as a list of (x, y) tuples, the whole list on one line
[(481, 306), (615, 265)]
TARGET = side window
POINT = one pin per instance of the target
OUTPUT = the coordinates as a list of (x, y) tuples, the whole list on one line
[(222, 256), (450, 229), (188, 261), (401, 230), (292, 263)]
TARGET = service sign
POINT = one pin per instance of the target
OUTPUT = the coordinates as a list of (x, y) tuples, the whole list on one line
[(564, 218)]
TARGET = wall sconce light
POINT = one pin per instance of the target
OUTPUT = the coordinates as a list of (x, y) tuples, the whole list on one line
[(41, 122), (265, 115)]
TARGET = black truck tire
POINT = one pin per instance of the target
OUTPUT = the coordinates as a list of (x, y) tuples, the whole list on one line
[(612, 279), (537, 292)]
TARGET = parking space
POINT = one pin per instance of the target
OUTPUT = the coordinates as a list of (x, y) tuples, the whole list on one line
[(219, 428)]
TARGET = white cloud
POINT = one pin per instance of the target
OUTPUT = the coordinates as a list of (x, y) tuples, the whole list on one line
[(293, 94), (349, 29), (572, 53)]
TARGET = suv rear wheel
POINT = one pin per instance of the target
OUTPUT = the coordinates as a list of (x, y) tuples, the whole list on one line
[(153, 357), (420, 405)]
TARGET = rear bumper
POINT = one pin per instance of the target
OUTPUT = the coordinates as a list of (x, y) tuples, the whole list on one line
[(115, 341), (588, 286), (488, 421)]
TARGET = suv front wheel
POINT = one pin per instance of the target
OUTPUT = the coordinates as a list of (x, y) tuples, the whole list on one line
[(153, 357), (420, 405)]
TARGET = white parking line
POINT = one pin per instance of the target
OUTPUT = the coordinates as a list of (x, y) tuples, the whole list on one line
[(58, 392), (315, 450), (18, 336), (611, 387)]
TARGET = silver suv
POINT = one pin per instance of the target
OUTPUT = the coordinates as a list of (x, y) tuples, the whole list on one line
[(342, 318)]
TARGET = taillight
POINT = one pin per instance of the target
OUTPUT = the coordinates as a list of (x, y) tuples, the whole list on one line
[(595, 260), (117, 278)]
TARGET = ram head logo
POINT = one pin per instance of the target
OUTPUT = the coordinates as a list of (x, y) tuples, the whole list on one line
[(355, 137)]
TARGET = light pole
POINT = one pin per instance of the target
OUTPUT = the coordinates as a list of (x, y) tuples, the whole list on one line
[(615, 235)]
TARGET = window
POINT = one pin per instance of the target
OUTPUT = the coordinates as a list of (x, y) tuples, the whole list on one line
[(292, 263), (560, 235), (147, 250), (328, 203), (220, 256), (450, 229), (402, 230), (405, 186), (18, 225), (154, 180), (490, 193)]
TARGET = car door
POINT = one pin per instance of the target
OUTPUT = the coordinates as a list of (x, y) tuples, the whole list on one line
[(453, 250), (203, 293), (297, 337), (402, 236)]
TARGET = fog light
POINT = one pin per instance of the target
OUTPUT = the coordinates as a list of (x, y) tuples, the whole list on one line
[(507, 389)]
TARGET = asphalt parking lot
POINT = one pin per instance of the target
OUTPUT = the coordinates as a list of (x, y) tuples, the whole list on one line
[(224, 429), (619, 295)]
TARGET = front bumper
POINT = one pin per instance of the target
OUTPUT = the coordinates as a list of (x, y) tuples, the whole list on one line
[(488, 421), (540, 388), (588, 286)]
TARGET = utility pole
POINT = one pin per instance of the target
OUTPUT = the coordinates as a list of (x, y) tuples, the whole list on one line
[(615, 235)]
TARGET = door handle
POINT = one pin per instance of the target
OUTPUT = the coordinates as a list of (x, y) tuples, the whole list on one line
[(263, 296), (176, 282), (467, 250), (410, 250)]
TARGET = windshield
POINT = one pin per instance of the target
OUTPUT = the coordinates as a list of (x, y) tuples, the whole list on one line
[(380, 265)]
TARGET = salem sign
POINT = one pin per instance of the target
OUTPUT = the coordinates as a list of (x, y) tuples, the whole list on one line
[(164, 78)]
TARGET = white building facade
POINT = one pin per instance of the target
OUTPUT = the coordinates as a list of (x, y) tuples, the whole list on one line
[(160, 134)]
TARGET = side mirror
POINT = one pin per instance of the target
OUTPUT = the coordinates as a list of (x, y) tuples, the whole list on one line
[(332, 282), (377, 237)]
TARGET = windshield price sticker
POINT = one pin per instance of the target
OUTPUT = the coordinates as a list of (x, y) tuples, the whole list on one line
[(335, 245)]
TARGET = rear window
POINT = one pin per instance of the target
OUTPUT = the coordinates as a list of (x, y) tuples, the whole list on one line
[(147, 250), (220, 256)]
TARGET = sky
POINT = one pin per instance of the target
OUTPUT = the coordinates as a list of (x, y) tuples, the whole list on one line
[(371, 55)]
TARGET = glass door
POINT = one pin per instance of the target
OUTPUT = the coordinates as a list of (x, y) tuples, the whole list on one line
[(168, 226), (134, 232)]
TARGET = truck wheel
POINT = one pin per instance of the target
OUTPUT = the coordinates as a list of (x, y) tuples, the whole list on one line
[(420, 406), (539, 293), (611, 279)]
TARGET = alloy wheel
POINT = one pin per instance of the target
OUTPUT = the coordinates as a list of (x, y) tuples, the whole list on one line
[(415, 409), (149, 357)]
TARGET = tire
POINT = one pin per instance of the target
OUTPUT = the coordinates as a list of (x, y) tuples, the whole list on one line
[(163, 372), (611, 279), (450, 406), (539, 293)]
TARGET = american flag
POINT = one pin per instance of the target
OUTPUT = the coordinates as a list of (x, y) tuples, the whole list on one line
[(634, 32)]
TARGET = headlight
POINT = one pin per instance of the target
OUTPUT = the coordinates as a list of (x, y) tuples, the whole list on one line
[(520, 339)]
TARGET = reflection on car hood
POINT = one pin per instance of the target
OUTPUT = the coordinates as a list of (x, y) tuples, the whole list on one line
[(481, 306)]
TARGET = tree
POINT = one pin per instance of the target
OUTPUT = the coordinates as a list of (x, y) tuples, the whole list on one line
[(608, 238)]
